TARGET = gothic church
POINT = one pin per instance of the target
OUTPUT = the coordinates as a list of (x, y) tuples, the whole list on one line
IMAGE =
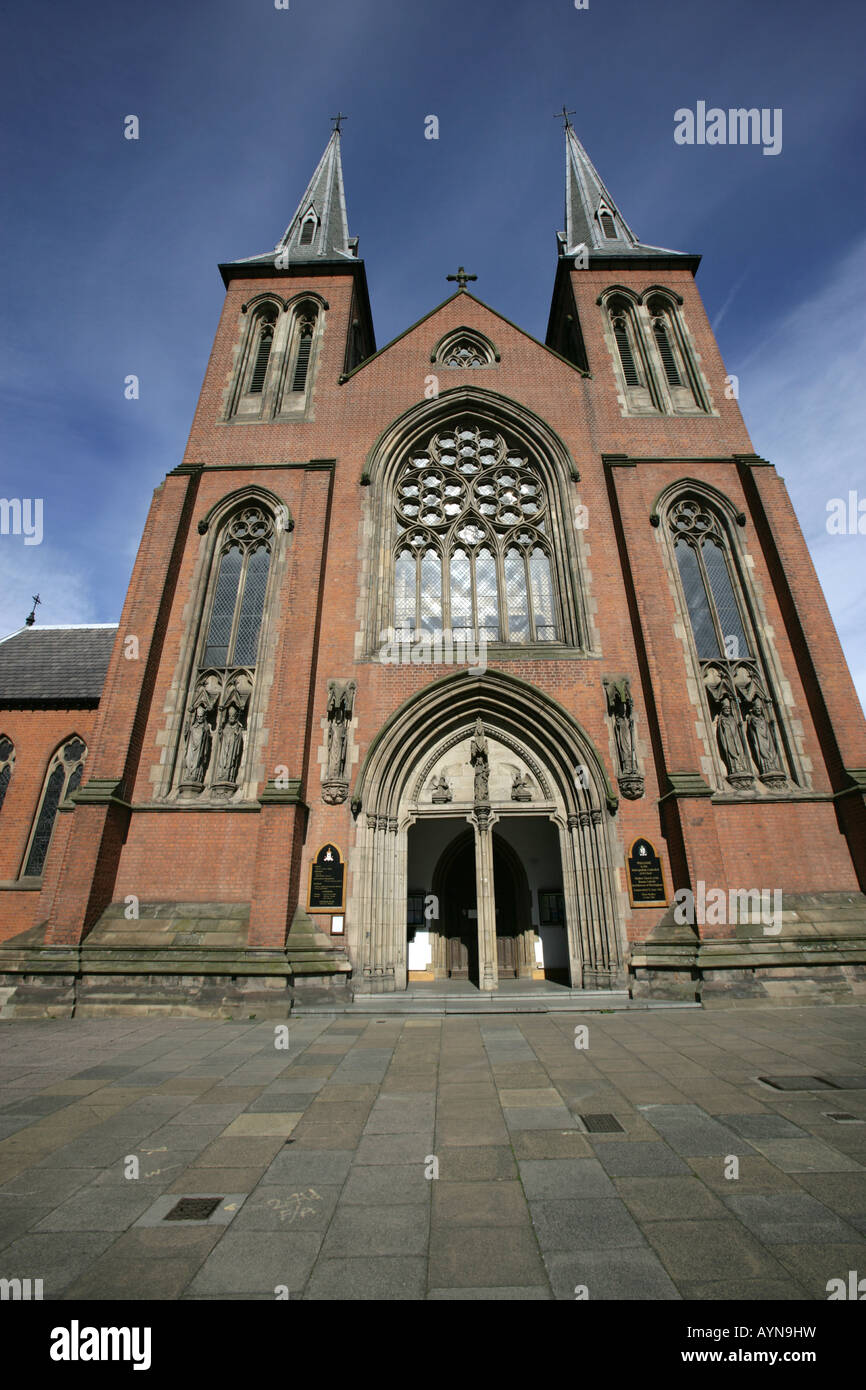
[(470, 658)]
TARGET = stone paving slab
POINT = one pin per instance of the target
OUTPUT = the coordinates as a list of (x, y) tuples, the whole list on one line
[(440, 1158)]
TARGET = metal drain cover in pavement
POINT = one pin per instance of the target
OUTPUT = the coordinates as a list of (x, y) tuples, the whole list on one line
[(193, 1209), (602, 1124), (798, 1083)]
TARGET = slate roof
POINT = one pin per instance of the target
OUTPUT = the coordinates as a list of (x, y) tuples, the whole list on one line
[(585, 193), (325, 195), (55, 665)]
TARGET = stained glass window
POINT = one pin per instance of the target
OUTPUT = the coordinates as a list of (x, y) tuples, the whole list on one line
[(6, 754), (239, 596), (474, 507), (736, 682), (63, 779), (703, 627)]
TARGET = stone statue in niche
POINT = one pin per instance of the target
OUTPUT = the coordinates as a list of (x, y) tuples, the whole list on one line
[(620, 708), (230, 749), (441, 790), (730, 743), (199, 741), (762, 742), (341, 701), (481, 763), (521, 787)]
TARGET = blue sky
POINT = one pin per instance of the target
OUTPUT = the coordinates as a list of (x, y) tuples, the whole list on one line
[(111, 246)]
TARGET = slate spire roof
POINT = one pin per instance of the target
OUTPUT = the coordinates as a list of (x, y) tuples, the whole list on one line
[(324, 206), (592, 218)]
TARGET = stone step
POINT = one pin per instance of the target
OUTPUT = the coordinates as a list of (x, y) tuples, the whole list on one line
[(567, 1001)]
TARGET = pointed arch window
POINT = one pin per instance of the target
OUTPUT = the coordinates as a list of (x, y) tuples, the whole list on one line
[(473, 509), (306, 329), (264, 343), (750, 738), (7, 762), (666, 352), (214, 735), (652, 355), (308, 229), (681, 390), (620, 323), (61, 780)]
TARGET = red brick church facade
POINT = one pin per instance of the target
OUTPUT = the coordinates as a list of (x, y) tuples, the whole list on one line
[(428, 652)]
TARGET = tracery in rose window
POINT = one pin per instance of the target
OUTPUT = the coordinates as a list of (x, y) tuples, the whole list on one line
[(472, 552)]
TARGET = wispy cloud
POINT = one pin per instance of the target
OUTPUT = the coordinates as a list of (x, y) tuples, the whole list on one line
[(802, 396)]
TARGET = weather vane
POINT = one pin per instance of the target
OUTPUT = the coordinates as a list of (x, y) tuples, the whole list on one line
[(563, 115), (338, 120), (31, 617)]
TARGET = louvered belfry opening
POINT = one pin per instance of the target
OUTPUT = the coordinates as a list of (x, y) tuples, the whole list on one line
[(666, 352), (263, 353), (306, 328), (623, 343), (608, 226), (308, 231)]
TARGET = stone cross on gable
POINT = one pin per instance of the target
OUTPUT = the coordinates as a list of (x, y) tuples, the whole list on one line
[(461, 277)]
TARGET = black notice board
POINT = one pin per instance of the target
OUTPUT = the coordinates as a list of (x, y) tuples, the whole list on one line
[(646, 882), (327, 881)]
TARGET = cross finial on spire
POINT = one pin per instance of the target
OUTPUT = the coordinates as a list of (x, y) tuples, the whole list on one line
[(563, 115), (31, 617), (338, 120), (461, 277)]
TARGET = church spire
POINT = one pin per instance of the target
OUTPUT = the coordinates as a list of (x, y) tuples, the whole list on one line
[(319, 230), (592, 218)]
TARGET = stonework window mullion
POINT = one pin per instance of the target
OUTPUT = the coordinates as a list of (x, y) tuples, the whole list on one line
[(480, 508), (224, 678), (742, 707)]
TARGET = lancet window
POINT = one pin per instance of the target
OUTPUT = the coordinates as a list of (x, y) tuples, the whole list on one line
[(749, 736), (62, 778)]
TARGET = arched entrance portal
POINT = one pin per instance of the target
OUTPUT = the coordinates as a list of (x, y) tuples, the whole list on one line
[(453, 933), (540, 788)]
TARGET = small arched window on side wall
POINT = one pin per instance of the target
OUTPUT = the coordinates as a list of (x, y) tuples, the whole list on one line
[(681, 389), (213, 739), (7, 762), (743, 710), (61, 780)]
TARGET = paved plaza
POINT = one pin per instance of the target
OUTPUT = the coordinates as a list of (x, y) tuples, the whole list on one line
[(449, 1157)]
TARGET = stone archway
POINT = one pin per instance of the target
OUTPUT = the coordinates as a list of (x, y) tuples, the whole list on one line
[(419, 769)]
